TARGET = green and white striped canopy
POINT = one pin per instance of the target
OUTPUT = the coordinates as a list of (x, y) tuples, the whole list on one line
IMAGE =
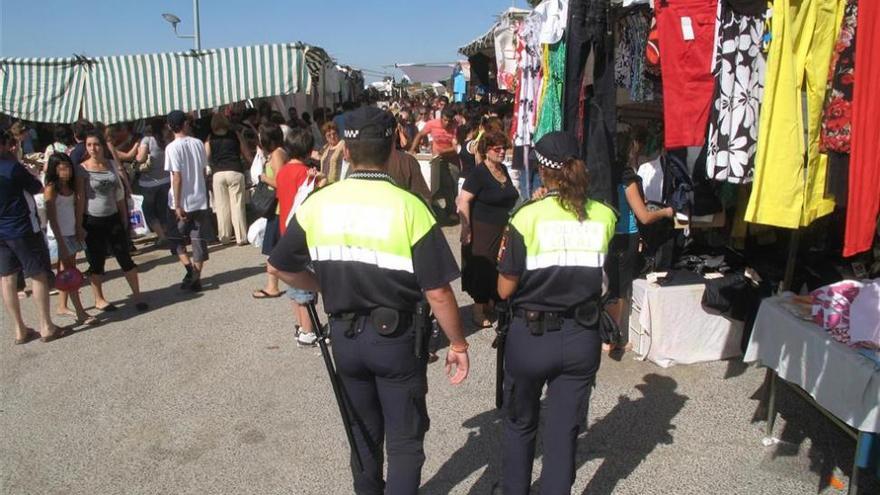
[(41, 89), (131, 87)]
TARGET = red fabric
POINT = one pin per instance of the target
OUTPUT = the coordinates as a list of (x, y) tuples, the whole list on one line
[(864, 173), (289, 178), (686, 65), (441, 138)]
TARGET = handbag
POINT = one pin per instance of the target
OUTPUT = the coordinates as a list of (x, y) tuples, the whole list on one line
[(145, 166), (263, 200)]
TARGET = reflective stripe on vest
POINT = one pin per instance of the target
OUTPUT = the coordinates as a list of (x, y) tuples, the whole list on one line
[(554, 237), (365, 221)]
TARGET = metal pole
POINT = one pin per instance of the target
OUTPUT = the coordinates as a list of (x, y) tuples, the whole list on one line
[(197, 40)]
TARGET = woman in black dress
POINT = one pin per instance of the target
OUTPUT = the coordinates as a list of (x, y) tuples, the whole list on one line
[(484, 205)]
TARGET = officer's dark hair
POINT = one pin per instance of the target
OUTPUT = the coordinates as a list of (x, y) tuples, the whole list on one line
[(80, 128), (271, 137), (571, 183), (299, 143), (370, 152)]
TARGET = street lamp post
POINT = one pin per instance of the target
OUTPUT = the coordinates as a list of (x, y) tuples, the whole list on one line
[(174, 20)]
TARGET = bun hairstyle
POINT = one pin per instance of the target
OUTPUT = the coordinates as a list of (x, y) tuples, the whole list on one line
[(572, 181)]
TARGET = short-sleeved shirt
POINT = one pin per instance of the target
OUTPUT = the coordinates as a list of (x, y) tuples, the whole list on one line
[(18, 211), (441, 137), (492, 199), (558, 259), (104, 190), (371, 243), (186, 155), (291, 176), (156, 175), (627, 223)]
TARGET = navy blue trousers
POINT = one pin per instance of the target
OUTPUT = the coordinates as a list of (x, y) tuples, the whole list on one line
[(386, 386), (566, 360)]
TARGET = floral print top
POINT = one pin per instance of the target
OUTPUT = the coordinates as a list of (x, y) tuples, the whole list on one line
[(837, 118)]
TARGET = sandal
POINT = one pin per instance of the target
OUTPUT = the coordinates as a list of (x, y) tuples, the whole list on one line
[(262, 294), (108, 308), (88, 321), (60, 333), (29, 336)]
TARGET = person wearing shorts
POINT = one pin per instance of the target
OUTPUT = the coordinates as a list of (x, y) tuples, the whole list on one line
[(22, 246), (186, 161)]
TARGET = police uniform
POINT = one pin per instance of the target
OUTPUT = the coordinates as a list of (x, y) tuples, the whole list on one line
[(374, 247), (553, 337)]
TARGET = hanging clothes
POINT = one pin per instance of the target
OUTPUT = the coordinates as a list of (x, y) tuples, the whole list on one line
[(687, 43), (837, 118), (530, 78), (505, 53), (739, 87), (554, 18), (864, 179), (803, 37), (590, 100), (550, 113), (630, 70)]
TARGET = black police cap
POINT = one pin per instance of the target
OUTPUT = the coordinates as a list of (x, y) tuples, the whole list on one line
[(556, 148), (369, 123)]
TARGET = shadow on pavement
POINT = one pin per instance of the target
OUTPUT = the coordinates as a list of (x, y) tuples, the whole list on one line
[(623, 439), (830, 447), (630, 432)]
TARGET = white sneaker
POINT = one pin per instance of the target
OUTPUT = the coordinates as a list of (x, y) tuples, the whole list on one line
[(304, 339)]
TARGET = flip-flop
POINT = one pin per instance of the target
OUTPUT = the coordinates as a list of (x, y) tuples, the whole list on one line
[(88, 321), (60, 333), (261, 294), (30, 336), (108, 308)]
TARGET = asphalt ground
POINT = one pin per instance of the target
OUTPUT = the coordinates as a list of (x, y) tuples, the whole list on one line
[(208, 394)]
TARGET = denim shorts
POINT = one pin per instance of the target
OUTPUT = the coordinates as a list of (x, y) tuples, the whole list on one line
[(300, 296)]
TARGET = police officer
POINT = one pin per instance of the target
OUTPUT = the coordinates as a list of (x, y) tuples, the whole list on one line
[(376, 251), (550, 269)]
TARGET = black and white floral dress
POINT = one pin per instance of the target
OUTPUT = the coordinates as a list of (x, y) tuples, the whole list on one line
[(739, 88)]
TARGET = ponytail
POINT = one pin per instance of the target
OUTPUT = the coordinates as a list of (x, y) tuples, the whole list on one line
[(572, 182)]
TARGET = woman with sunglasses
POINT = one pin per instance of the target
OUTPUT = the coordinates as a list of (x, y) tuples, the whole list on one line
[(484, 206)]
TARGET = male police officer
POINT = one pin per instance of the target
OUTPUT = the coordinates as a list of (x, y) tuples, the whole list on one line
[(374, 248)]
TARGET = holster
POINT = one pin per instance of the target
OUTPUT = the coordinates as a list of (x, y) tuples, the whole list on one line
[(390, 322)]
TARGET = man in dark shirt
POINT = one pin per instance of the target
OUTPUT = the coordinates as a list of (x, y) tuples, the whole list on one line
[(22, 246)]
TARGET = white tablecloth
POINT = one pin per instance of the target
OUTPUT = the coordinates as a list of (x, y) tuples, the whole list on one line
[(840, 379), (679, 330)]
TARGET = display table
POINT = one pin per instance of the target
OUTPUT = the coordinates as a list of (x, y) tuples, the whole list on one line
[(844, 384), (669, 326)]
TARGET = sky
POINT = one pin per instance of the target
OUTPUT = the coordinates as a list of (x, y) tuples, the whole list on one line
[(366, 34)]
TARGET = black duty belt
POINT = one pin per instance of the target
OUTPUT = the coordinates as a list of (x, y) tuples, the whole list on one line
[(538, 322), (387, 321)]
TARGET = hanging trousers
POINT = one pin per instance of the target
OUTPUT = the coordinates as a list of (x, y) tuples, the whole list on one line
[(567, 360), (803, 37), (864, 178), (589, 39)]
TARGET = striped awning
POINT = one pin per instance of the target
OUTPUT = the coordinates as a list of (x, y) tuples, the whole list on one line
[(126, 88), (132, 87), (41, 89)]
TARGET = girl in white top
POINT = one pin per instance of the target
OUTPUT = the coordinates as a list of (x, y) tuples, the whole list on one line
[(61, 201)]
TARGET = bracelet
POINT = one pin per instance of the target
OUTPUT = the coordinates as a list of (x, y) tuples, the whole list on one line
[(461, 349)]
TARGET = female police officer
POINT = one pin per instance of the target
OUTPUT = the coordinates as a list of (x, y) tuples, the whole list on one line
[(550, 267), (375, 248)]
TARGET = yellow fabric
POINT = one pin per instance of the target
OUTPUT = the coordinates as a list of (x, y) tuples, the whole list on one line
[(804, 33)]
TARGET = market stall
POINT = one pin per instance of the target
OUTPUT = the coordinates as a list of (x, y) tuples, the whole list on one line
[(841, 381), (132, 87)]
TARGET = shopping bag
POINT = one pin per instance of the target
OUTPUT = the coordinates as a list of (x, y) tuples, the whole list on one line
[(136, 216), (302, 193), (256, 232)]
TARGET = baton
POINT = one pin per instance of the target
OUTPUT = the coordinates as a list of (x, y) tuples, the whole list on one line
[(499, 344), (335, 383)]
